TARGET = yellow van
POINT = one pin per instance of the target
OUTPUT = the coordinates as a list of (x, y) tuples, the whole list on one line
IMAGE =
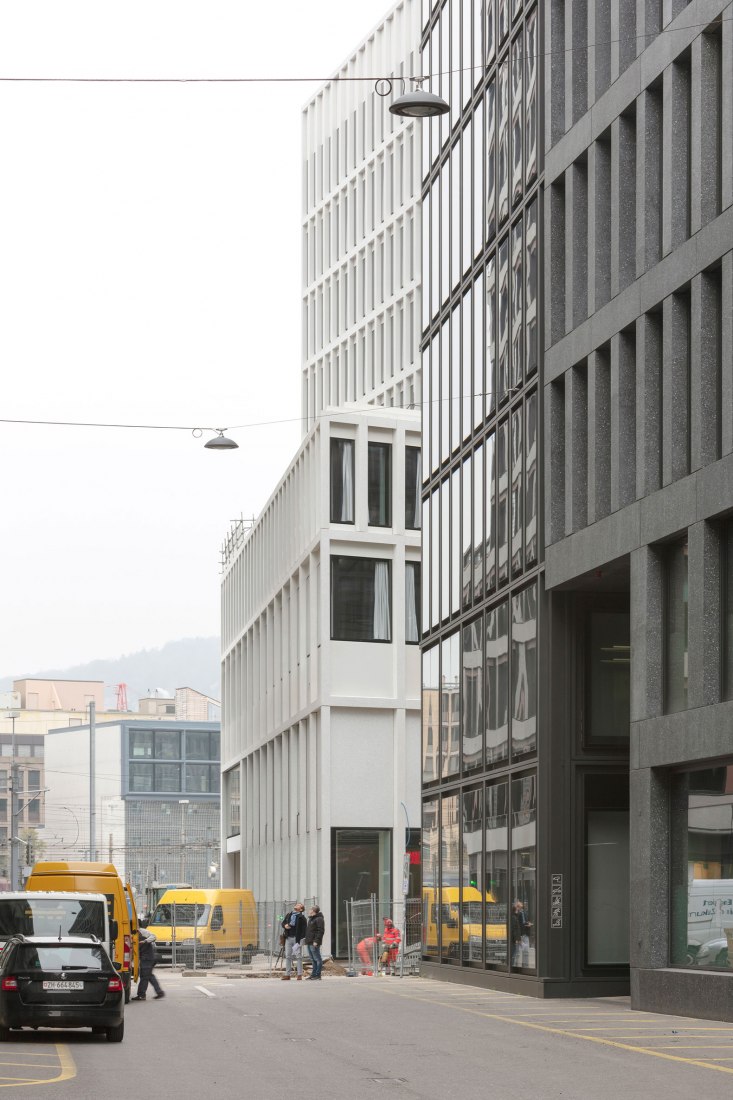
[(99, 878), (450, 911), (210, 920)]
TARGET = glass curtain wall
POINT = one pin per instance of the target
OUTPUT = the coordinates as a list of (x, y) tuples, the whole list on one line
[(482, 552)]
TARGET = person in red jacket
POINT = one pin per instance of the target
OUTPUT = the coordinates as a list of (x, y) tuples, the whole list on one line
[(391, 944)]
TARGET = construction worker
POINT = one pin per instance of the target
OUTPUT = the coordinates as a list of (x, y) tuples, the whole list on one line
[(391, 944)]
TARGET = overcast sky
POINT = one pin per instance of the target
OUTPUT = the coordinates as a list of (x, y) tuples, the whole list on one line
[(149, 273)]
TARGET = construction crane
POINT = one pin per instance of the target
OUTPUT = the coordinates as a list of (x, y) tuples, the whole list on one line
[(121, 697)]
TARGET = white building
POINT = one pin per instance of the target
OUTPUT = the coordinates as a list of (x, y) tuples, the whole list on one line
[(321, 596), (361, 229)]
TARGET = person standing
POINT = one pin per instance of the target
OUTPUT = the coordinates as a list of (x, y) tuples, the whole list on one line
[(148, 962), (314, 934), (294, 927), (391, 944)]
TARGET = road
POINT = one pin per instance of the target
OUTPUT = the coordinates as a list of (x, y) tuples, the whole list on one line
[(370, 1037)]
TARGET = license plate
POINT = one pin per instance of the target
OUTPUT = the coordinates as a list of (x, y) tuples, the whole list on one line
[(63, 987)]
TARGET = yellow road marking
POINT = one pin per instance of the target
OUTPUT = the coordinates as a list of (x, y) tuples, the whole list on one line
[(67, 1069), (567, 1034)]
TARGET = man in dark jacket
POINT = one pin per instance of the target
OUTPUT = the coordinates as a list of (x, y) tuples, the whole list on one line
[(148, 961), (294, 927), (313, 939)]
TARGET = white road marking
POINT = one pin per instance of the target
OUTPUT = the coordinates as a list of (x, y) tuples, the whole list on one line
[(203, 989)]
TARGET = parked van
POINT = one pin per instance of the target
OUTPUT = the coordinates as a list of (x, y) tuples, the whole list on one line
[(102, 878), (709, 911), (460, 919), (53, 913), (211, 919)]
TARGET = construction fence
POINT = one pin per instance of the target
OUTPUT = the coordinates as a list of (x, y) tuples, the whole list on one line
[(365, 935)]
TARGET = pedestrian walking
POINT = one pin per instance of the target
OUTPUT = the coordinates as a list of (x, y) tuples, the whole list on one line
[(148, 962), (294, 926), (391, 943), (314, 934)]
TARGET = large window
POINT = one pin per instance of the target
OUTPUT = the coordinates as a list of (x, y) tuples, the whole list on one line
[(676, 671), (497, 685), (413, 479), (607, 869), (471, 909), (361, 599), (450, 932), (342, 481), (413, 602), (430, 878), (496, 872), (701, 819), (472, 687), (608, 653), (524, 672), (523, 917), (450, 706), (164, 761), (380, 484), (431, 714)]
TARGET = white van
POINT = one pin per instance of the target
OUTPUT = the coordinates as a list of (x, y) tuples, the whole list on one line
[(56, 913), (709, 910)]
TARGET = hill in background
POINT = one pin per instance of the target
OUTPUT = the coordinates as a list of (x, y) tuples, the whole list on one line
[(188, 662)]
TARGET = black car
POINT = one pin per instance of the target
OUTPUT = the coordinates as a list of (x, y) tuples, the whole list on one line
[(64, 982)]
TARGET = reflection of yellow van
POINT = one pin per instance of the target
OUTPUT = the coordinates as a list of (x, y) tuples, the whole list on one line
[(101, 878), (450, 912), (210, 920)]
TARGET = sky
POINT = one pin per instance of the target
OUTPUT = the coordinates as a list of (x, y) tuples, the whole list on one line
[(150, 273)]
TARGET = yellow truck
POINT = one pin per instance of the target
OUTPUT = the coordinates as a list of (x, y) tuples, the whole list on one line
[(460, 919), (217, 922)]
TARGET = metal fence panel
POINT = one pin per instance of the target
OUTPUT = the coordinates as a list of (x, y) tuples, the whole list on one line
[(365, 927)]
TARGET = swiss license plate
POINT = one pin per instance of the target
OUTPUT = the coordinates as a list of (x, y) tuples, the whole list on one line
[(63, 987)]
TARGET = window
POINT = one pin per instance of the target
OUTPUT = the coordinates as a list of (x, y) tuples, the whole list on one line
[(3, 808), (141, 777), (450, 706), (380, 484), (524, 672), (496, 877), (472, 688), (361, 600), (676, 607), (413, 602), (202, 778), (701, 819), (167, 777), (727, 613), (232, 781), (430, 714), (524, 872), (342, 481), (167, 745), (471, 908), (450, 932), (608, 650), (497, 685), (199, 747), (430, 859), (606, 869), (413, 479)]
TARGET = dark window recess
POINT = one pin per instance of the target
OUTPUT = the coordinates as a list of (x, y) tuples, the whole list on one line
[(608, 683), (361, 599), (413, 602), (380, 484), (342, 481), (413, 479)]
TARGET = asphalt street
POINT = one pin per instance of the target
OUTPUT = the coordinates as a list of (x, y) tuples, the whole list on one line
[(373, 1037)]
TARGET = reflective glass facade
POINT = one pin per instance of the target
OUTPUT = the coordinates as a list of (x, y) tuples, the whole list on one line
[(482, 561)]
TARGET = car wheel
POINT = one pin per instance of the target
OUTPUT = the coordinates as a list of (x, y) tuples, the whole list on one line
[(116, 1034), (209, 958)]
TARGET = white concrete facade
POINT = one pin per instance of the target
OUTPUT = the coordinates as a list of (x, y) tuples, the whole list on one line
[(318, 734), (361, 230)]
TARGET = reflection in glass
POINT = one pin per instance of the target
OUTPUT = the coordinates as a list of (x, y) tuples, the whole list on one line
[(470, 905), (530, 482), (466, 361), (490, 333), (607, 885), (608, 641), (503, 352), (455, 376), (478, 178), (412, 602), (479, 365), (413, 481), (470, 75), (489, 30), (496, 870), (502, 183), (455, 64), (472, 709), (444, 392), (427, 401), (490, 161), (530, 98), (466, 203), (430, 713), (445, 230), (434, 404), (503, 8), (502, 491), (490, 517), (517, 74), (702, 868), (426, 564), (523, 918), (467, 544), (450, 932), (445, 561), (478, 523), (455, 233), (497, 685), (435, 558), (450, 706), (430, 858), (524, 672), (517, 334), (456, 557), (530, 320), (676, 628), (517, 525)]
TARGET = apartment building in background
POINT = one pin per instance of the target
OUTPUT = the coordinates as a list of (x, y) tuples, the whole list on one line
[(320, 597), (578, 368)]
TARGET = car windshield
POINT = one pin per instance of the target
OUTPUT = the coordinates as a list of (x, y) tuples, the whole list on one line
[(51, 916), (179, 914), (58, 957)]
